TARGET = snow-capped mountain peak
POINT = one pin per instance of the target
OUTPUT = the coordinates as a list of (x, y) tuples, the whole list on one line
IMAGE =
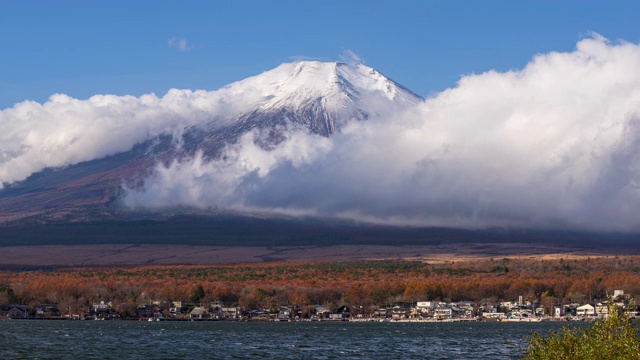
[(321, 95)]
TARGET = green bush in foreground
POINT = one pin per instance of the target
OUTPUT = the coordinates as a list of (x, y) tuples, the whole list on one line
[(612, 338)]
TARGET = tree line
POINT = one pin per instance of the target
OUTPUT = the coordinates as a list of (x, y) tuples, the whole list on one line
[(358, 283)]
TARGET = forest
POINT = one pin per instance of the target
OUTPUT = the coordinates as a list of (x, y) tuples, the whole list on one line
[(367, 284)]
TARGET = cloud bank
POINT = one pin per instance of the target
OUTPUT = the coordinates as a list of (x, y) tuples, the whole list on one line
[(65, 131), (553, 145)]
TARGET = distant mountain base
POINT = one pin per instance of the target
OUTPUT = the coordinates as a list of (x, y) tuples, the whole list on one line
[(240, 239), (55, 256), (239, 230)]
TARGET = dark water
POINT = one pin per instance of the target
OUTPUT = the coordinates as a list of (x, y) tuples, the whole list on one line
[(237, 340)]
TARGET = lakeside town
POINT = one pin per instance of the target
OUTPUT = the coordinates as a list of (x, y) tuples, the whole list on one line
[(484, 290), (422, 311)]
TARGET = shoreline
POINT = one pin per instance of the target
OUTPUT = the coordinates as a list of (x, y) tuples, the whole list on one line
[(363, 320)]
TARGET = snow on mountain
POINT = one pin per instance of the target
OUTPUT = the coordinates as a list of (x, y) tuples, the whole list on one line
[(320, 95), (296, 84)]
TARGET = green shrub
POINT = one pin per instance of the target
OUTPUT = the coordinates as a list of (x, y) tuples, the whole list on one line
[(613, 338)]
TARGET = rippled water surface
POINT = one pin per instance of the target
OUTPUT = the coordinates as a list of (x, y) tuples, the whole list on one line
[(240, 340)]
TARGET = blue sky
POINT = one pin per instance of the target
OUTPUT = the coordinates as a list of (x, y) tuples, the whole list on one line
[(82, 48)]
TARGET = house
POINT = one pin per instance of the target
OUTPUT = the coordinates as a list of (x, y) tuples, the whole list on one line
[(382, 312), (426, 307), (15, 311), (493, 315), (463, 309), (342, 313), (230, 313), (464, 304), (216, 305), (258, 314), (601, 309), (489, 307), (176, 307), (632, 311), (509, 304), (413, 311), (442, 312), (101, 309), (359, 311), (586, 310), (198, 313), (47, 310), (284, 314), (101, 306), (321, 311), (400, 312), (520, 314)]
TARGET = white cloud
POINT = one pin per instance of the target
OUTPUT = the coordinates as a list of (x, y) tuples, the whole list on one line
[(349, 57), (556, 144), (65, 131), (203, 183), (296, 58), (180, 44)]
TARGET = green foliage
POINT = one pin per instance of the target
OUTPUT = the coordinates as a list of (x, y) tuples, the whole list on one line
[(198, 294), (132, 297), (613, 338), (499, 269)]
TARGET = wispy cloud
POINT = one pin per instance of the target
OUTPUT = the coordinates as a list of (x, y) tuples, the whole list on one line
[(297, 58), (180, 44), (350, 57)]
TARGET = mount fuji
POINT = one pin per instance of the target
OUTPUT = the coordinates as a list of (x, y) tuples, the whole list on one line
[(64, 182), (320, 97)]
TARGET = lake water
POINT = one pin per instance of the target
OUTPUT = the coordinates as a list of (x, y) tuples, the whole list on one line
[(34, 339)]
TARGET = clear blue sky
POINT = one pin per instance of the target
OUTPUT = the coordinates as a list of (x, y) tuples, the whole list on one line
[(82, 48)]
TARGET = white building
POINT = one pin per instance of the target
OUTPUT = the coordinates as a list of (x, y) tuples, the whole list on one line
[(586, 310), (426, 304), (558, 311), (443, 313), (602, 310), (230, 312)]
